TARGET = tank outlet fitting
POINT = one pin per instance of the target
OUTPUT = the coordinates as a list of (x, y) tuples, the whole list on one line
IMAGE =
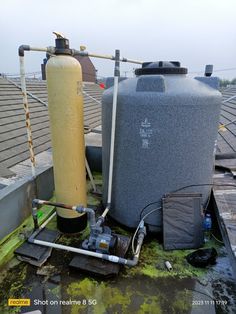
[(208, 70), (168, 265), (79, 209), (142, 228)]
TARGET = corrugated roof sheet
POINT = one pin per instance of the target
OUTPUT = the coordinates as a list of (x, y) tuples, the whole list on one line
[(227, 138), (13, 139)]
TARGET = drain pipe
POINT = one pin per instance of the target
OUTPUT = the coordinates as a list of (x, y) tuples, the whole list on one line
[(92, 222), (21, 52)]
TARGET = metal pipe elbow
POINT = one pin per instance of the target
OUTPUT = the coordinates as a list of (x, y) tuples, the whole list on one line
[(21, 50), (132, 262)]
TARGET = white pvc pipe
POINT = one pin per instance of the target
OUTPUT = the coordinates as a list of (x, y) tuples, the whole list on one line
[(105, 212), (131, 61), (94, 55), (48, 220), (37, 231), (67, 248), (112, 145), (111, 258), (109, 57), (38, 49)]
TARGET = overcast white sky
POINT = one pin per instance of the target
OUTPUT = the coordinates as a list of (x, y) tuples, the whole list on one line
[(194, 32)]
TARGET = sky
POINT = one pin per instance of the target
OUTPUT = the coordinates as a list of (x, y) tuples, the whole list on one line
[(194, 32)]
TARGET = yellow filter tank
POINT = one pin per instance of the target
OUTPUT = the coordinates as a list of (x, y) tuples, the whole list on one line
[(65, 104)]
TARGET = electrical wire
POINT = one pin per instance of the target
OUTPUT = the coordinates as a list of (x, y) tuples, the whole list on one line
[(142, 210), (203, 184), (217, 239)]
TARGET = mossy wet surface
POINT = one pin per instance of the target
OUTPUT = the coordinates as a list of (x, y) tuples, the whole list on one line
[(146, 288)]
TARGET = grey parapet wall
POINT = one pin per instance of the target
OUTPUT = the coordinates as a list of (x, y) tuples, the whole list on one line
[(166, 128), (16, 199)]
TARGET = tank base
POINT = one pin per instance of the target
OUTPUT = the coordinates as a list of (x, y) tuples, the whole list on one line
[(72, 225)]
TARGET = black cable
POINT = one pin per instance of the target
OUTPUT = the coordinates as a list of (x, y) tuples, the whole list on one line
[(203, 184), (142, 210)]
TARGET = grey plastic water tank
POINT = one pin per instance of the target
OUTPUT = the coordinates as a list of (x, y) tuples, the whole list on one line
[(166, 131)]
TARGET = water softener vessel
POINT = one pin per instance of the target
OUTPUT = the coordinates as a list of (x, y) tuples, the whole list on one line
[(65, 104)]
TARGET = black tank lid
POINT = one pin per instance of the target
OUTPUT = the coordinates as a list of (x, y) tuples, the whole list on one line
[(161, 67), (62, 46)]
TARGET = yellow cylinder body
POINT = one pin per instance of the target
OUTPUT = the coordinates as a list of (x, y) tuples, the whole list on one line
[(65, 104)]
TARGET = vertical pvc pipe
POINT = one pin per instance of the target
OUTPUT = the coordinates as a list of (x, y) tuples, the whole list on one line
[(27, 115), (113, 126)]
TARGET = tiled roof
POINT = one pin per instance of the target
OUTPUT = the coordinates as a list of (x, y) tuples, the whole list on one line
[(227, 136), (13, 139)]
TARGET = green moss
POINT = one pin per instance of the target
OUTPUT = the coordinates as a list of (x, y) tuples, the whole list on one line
[(150, 305), (92, 200), (13, 288), (152, 263), (182, 302), (97, 176), (56, 291), (107, 298), (142, 296), (119, 230)]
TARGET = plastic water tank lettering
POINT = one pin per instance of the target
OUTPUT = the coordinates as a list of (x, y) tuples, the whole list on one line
[(145, 133), (145, 123), (145, 143)]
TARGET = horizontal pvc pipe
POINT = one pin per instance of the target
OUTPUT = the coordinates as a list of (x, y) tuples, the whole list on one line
[(66, 248), (108, 57), (131, 61), (111, 258), (23, 48), (94, 55)]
